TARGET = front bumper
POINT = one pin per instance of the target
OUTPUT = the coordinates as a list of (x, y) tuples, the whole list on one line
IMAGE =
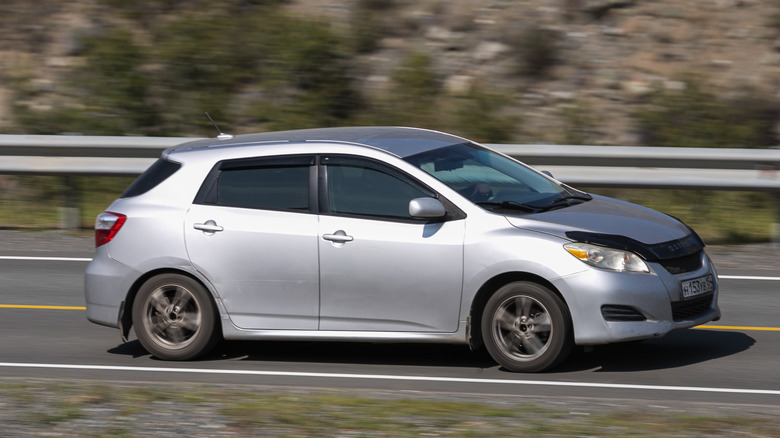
[(652, 303)]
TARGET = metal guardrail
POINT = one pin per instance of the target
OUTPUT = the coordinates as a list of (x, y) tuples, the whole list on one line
[(73, 155), (655, 167), (596, 166), (584, 166)]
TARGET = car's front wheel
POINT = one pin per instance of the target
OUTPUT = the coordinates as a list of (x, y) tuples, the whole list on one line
[(174, 318), (526, 327)]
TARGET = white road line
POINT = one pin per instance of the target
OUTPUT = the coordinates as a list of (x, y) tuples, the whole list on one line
[(47, 259), (747, 277), (393, 377)]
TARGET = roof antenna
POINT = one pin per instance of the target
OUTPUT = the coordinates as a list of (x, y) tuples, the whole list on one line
[(221, 135)]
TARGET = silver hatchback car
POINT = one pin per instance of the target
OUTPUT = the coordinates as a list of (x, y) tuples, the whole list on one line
[(385, 234)]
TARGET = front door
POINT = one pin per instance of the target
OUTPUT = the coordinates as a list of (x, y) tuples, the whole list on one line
[(380, 269)]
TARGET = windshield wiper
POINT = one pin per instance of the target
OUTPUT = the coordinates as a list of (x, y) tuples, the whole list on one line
[(582, 196), (565, 201), (509, 205)]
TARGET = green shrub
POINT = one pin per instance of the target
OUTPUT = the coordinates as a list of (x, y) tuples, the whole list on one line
[(479, 117), (306, 78), (538, 50), (695, 117), (107, 95), (579, 124), (413, 97), (376, 5), (203, 59), (709, 212), (143, 11), (366, 25), (416, 76), (113, 85)]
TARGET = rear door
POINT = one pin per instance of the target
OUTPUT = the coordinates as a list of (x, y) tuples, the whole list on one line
[(252, 232)]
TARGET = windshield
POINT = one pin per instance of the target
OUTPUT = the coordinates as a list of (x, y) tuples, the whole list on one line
[(494, 181)]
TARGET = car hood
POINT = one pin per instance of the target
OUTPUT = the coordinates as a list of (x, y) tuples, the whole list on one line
[(615, 223)]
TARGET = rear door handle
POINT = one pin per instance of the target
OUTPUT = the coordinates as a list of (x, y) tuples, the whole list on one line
[(338, 237), (209, 227)]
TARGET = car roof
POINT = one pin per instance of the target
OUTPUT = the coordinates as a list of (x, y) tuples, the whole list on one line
[(399, 141)]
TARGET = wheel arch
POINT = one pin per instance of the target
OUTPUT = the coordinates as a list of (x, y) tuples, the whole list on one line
[(488, 289), (126, 313)]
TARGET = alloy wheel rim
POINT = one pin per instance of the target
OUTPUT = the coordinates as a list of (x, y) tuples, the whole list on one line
[(172, 316), (522, 328)]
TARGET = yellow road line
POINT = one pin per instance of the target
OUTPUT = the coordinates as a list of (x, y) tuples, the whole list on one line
[(24, 306), (731, 327), (704, 327)]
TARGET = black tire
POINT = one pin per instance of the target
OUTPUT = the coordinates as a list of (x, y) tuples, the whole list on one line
[(526, 327), (175, 318)]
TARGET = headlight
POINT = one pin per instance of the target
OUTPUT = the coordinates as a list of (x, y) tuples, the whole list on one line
[(607, 258)]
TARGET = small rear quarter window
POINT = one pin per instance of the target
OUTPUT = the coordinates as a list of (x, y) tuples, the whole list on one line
[(153, 176)]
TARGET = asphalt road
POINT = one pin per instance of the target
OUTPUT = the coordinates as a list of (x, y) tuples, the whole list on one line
[(731, 363)]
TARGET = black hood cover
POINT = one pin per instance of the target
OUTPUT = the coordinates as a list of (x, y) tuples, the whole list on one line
[(672, 249)]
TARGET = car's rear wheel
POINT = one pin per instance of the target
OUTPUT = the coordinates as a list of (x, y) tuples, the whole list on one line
[(526, 327), (174, 318)]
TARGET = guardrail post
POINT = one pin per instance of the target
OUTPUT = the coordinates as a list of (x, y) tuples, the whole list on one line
[(70, 214), (776, 220)]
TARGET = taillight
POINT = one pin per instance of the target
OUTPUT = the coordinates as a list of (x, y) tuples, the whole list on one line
[(107, 225)]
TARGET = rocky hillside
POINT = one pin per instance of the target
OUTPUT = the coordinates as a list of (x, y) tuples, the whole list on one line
[(568, 71)]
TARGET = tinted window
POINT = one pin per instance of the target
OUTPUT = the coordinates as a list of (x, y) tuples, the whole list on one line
[(275, 188), (154, 175), (365, 188)]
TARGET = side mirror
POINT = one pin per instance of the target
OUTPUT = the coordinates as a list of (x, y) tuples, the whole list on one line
[(548, 173), (426, 208)]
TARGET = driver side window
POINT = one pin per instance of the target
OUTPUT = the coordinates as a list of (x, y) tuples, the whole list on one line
[(366, 188)]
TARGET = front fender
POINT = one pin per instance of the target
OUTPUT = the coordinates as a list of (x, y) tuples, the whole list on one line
[(510, 254)]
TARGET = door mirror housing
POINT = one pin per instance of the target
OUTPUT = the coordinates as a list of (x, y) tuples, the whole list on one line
[(427, 208)]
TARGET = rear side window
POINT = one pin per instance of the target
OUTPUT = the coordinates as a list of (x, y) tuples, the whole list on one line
[(278, 183), (153, 176), (272, 188)]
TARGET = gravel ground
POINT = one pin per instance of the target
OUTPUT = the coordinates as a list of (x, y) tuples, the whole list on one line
[(45, 408), (754, 259), (46, 243)]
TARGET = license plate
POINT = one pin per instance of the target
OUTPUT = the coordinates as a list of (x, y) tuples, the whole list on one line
[(697, 286)]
